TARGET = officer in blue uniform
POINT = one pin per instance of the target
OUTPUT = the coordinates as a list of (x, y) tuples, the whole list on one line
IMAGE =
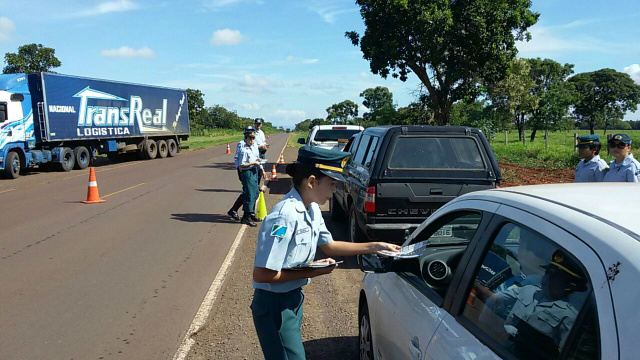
[(624, 168), (288, 238), (233, 212), (591, 168)]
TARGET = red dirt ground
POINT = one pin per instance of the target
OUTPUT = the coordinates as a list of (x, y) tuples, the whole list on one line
[(514, 175)]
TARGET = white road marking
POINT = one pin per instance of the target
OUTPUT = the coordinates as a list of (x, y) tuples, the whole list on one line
[(4, 191), (209, 299)]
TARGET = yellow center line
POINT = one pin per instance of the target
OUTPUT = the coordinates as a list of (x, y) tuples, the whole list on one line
[(4, 191), (119, 191)]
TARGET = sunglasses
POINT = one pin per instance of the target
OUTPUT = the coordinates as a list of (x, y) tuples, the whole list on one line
[(618, 145), (251, 137), (584, 146)]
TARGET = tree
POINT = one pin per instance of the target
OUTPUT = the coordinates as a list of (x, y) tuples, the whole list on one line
[(342, 112), (603, 97), (31, 58), (451, 46), (554, 93), (514, 94), (416, 113), (198, 116)]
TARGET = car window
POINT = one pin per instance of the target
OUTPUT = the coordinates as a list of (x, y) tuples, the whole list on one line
[(440, 247), (371, 152), (3, 111), (335, 134), (362, 149), (527, 294), (426, 152)]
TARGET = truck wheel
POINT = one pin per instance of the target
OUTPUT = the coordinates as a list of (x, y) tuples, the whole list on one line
[(172, 148), (150, 149), (335, 210), (67, 159), (82, 156), (11, 165), (163, 150), (355, 234)]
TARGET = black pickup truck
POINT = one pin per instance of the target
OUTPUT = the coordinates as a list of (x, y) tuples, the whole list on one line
[(398, 175)]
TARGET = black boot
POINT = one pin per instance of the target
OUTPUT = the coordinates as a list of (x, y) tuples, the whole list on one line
[(233, 214), (253, 217), (247, 220)]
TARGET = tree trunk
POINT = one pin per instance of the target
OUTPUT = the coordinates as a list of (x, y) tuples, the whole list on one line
[(533, 135), (591, 129)]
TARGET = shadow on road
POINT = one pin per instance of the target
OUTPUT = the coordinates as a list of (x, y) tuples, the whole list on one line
[(220, 190), (345, 347), (223, 166), (212, 218)]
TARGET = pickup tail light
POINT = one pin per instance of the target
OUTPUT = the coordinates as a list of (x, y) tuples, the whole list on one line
[(370, 200), (339, 128)]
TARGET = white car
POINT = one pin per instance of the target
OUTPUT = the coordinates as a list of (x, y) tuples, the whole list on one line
[(331, 137), (531, 272)]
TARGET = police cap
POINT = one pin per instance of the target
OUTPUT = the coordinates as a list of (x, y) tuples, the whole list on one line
[(588, 140), (565, 264), (259, 121), (249, 130), (329, 162), (623, 138)]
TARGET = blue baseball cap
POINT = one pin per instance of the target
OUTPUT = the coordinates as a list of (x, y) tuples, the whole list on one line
[(329, 162), (249, 130), (258, 121), (623, 138)]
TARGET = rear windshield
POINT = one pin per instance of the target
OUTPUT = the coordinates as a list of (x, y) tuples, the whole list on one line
[(418, 153), (334, 135)]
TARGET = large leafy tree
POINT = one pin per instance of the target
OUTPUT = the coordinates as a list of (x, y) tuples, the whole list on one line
[(31, 58), (342, 112), (379, 101), (198, 115), (554, 94), (603, 97), (451, 45)]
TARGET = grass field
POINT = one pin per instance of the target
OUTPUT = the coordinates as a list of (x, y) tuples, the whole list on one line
[(560, 155), (293, 140)]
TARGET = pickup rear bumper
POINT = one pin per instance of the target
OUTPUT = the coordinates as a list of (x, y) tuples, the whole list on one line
[(392, 233)]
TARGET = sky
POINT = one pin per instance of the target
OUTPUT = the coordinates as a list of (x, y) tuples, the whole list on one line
[(282, 60)]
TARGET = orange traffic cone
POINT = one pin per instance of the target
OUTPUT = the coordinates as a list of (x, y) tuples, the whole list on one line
[(281, 161), (274, 176), (92, 194), (228, 149)]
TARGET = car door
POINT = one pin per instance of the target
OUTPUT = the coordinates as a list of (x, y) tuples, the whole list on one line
[(503, 309), (340, 185), (410, 304), (354, 186)]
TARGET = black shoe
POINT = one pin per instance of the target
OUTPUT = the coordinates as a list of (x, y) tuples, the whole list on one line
[(253, 217), (247, 221), (234, 215)]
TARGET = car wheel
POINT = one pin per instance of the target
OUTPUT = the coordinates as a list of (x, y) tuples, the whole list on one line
[(355, 234), (82, 156), (364, 334), (163, 150), (335, 210), (172, 148)]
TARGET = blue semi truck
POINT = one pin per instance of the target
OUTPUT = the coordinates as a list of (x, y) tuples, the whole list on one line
[(54, 120)]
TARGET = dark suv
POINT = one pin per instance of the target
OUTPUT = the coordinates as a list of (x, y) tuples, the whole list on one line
[(398, 175)]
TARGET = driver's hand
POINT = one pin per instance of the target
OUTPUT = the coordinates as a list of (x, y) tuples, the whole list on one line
[(385, 246)]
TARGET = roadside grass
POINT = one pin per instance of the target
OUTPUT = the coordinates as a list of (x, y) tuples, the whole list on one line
[(293, 141), (212, 138), (560, 155)]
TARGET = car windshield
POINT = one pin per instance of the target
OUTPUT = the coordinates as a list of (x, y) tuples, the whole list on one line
[(335, 134), (425, 152)]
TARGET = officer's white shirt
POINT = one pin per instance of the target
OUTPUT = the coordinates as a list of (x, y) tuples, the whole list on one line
[(627, 171), (237, 158), (288, 237), (247, 155), (260, 138), (591, 171)]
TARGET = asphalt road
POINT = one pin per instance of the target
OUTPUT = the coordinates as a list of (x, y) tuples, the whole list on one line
[(122, 279)]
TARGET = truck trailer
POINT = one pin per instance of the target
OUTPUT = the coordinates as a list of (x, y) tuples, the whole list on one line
[(64, 121)]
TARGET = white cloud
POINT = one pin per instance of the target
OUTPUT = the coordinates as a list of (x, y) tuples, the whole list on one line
[(364, 74), (254, 84), (297, 60), (217, 4), (108, 7), (634, 71), (127, 52), (329, 10), (226, 37), (251, 107), (6, 28)]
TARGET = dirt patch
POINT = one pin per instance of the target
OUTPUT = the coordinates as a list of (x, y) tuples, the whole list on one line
[(515, 175)]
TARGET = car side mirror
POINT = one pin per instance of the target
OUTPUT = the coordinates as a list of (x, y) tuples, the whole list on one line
[(372, 263), (301, 141)]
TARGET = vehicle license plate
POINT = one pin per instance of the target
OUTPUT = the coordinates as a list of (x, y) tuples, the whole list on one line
[(445, 231)]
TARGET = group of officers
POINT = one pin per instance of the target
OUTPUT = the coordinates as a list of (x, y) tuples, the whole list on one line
[(623, 168)]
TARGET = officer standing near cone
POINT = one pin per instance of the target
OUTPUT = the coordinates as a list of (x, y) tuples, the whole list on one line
[(288, 238), (261, 140)]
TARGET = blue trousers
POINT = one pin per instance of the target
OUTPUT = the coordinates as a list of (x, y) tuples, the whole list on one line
[(278, 318), (249, 180)]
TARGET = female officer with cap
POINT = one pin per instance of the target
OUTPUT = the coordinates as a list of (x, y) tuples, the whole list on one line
[(624, 168), (591, 168), (288, 238), (249, 164)]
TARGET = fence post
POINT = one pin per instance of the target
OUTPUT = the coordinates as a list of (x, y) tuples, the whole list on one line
[(506, 137), (546, 139), (524, 136), (608, 149), (575, 141)]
